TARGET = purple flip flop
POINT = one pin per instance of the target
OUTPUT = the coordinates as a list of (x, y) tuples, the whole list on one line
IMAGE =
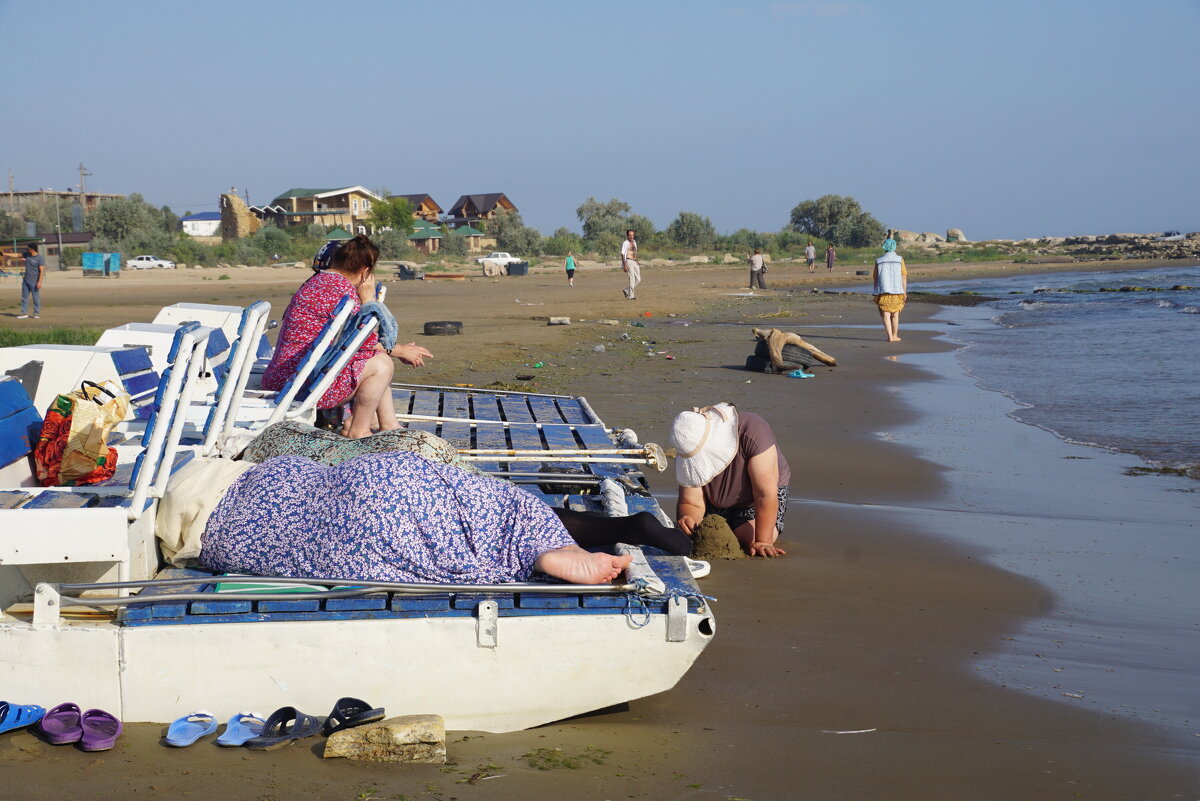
[(100, 730), (61, 725)]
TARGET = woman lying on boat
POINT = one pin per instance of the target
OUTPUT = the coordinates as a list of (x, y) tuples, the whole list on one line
[(368, 376), (402, 517)]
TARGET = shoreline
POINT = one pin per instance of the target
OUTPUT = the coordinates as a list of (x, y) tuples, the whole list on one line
[(871, 622)]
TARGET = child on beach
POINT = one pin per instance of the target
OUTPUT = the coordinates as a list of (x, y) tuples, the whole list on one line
[(728, 463), (891, 288)]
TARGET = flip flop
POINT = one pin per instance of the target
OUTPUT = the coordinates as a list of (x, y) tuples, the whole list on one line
[(190, 728), (284, 725), (100, 730), (350, 712), (61, 725), (697, 567), (18, 716), (241, 727), (801, 374)]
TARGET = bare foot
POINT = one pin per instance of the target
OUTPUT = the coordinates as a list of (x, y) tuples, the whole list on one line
[(573, 564)]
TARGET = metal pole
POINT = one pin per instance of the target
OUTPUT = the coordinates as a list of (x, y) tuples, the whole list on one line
[(58, 227)]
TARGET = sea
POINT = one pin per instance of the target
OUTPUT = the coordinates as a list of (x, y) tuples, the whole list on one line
[(1118, 370), (1088, 512)]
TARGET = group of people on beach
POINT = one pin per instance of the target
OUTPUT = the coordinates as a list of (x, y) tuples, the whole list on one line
[(395, 505)]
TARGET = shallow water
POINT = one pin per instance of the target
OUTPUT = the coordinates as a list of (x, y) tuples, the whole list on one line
[(1115, 369)]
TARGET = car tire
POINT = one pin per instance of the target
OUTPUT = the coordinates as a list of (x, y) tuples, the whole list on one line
[(794, 356), (442, 328)]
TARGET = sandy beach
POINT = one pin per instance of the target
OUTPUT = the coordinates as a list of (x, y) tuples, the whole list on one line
[(854, 668)]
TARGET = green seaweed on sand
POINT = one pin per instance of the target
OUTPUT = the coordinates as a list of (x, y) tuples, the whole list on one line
[(553, 758)]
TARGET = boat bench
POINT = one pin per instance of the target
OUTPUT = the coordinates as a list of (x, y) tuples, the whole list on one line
[(228, 608), (63, 367)]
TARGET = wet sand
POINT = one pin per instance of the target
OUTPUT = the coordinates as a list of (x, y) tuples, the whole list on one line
[(874, 621)]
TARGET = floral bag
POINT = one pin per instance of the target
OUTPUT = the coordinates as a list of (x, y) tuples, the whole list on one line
[(73, 447)]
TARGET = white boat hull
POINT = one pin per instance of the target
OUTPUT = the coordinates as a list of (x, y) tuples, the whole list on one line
[(542, 668)]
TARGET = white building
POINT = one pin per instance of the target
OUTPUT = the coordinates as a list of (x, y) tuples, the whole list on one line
[(206, 223)]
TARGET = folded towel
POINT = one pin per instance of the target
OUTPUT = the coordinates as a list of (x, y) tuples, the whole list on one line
[(192, 494)]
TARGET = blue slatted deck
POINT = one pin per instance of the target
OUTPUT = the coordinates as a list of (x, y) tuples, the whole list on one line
[(467, 418)]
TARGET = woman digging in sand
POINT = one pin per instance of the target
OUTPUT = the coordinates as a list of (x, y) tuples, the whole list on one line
[(728, 463)]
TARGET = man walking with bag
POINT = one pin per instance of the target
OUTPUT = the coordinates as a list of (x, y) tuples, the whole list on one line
[(758, 268), (31, 282)]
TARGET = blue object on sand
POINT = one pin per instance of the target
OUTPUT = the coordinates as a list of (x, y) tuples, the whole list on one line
[(240, 728), (801, 374), (190, 728), (18, 716)]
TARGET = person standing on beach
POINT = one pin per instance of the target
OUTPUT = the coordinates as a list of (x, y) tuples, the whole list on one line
[(810, 256), (830, 257), (729, 464), (570, 268), (630, 265), (757, 268), (891, 288), (31, 282)]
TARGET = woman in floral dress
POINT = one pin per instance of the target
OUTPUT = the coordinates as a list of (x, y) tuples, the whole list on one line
[(391, 517), (368, 376)]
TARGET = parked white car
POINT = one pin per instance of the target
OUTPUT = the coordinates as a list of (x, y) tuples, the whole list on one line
[(499, 257), (149, 263)]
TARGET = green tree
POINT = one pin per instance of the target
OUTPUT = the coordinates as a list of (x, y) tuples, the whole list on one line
[(838, 219), (691, 230), (394, 213), (562, 242), (394, 244), (513, 235), (598, 218), (11, 226), (124, 219), (170, 220), (453, 244)]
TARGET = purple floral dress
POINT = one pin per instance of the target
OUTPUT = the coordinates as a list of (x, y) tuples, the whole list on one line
[(378, 517)]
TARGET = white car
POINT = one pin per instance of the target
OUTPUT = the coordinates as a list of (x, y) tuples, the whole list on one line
[(499, 257), (149, 263)]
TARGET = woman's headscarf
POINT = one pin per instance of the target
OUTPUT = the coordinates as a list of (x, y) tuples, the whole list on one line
[(889, 245)]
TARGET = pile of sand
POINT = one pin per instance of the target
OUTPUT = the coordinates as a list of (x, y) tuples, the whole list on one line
[(713, 539)]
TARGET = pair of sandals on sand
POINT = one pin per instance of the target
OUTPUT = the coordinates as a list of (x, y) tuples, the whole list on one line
[(280, 728), (65, 724)]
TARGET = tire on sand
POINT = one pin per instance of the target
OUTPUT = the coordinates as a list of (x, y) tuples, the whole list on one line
[(442, 328), (794, 356)]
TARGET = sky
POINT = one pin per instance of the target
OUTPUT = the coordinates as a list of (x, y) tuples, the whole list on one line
[(1006, 120)]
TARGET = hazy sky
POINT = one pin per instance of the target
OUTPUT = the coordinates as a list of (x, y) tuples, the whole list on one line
[(1005, 119)]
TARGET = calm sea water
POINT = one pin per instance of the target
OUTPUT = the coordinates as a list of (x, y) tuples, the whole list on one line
[(1116, 369)]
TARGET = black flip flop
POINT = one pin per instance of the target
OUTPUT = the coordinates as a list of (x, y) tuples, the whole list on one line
[(284, 725), (350, 712)]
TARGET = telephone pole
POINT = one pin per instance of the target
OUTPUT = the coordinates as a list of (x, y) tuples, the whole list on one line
[(83, 173)]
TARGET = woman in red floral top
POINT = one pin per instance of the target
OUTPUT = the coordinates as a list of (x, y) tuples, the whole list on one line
[(367, 378)]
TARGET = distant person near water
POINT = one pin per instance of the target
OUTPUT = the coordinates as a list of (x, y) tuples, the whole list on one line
[(830, 257), (570, 268), (630, 265), (729, 464), (31, 282), (891, 288), (758, 266), (810, 256)]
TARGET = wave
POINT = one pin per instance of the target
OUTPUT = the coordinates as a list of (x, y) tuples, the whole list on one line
[(1190, 310)]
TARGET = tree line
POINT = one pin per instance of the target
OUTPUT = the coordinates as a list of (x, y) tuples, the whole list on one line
[(133, 226)]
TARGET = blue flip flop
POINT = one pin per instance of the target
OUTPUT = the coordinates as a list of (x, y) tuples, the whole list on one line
[(18, 716), (282, 727), (190, 728), (241, 727), (801, 374)]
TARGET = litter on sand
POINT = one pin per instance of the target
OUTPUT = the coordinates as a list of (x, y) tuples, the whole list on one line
[(847, 731)]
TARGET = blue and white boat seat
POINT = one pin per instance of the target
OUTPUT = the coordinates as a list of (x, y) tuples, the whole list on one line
[(64, 367), (101, 529)]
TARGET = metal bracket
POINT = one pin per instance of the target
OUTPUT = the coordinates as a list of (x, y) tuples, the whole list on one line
[(677, 625), (488, 614), (46, 605)]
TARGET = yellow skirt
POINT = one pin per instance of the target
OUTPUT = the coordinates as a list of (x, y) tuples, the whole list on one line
[(889, 303)]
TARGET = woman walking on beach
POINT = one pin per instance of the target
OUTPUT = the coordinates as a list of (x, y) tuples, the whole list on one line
[(570, 268), (729, 464), (891, 288), (830, 257), (367, 378)]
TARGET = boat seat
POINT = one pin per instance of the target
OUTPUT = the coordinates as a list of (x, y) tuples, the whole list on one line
[(65, 367)]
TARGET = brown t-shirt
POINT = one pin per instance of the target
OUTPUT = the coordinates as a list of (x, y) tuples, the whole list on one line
[(732, 487)]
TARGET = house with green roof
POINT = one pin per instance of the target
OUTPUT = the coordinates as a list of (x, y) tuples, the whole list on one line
[(348, 207), (426, 237)]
